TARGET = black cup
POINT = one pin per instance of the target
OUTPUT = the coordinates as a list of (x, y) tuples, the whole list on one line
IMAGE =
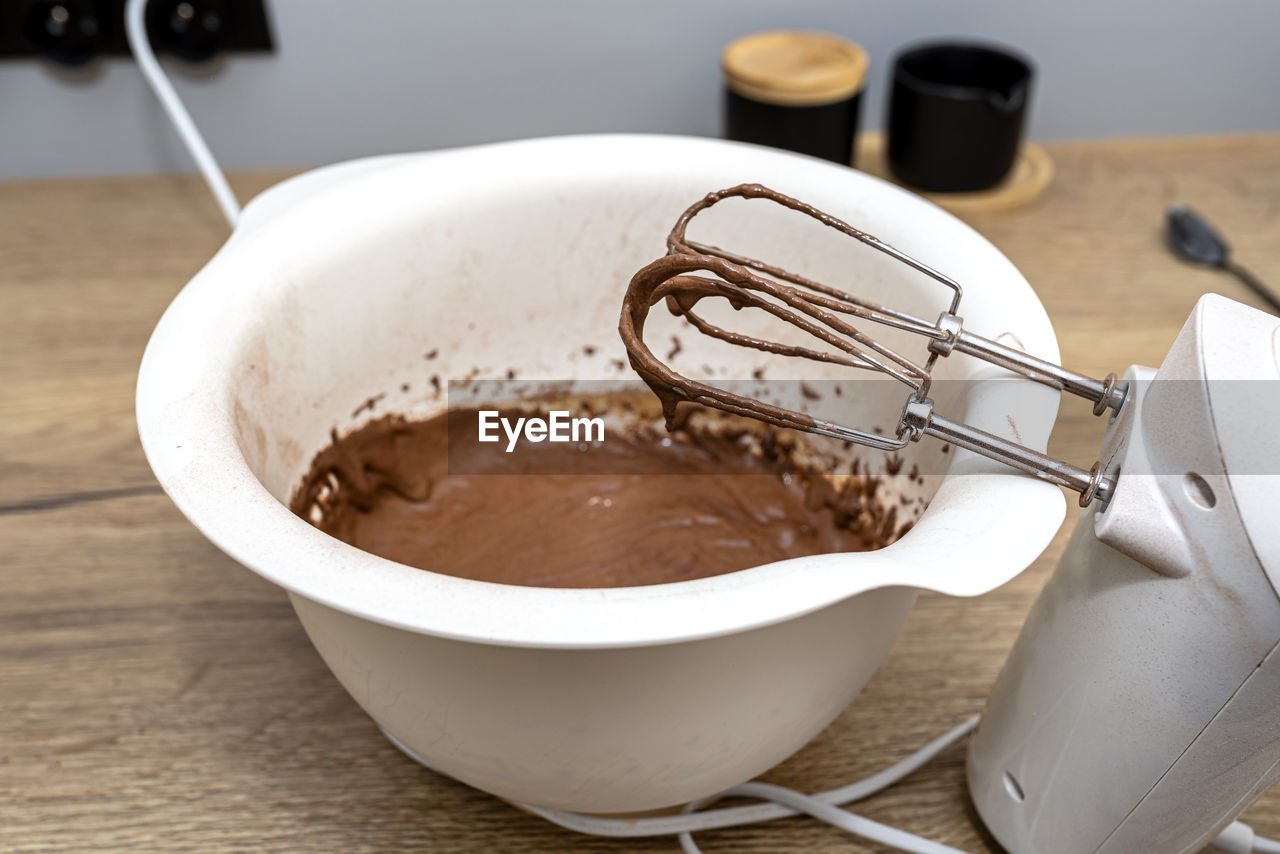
[(955, 116)]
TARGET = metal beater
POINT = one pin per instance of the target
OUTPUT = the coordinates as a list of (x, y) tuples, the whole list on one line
[(821, 311)]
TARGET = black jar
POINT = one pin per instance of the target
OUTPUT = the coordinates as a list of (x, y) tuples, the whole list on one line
[(795, 90), (956, 115)]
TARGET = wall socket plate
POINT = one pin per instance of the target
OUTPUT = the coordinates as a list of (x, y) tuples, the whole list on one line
[(74, 32)]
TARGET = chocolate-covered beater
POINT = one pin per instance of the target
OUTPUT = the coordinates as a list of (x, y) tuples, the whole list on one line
[(691, 272)]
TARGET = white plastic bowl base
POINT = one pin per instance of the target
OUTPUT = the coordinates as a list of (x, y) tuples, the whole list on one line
[(336, 286), (617, 730)]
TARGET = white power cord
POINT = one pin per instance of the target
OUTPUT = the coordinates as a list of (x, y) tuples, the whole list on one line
[(135, 29), (1239, 838), (782, 802), (833, 815)]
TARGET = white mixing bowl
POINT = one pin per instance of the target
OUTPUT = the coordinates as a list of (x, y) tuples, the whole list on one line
[(336, 286)]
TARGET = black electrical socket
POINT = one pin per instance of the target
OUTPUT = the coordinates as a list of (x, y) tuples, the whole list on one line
[(73, 32), (70, 33)]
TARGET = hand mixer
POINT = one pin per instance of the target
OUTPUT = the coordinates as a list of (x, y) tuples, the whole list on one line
[(1140, 707)]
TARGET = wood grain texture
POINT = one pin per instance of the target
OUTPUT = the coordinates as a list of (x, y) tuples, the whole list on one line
[(156, 696)]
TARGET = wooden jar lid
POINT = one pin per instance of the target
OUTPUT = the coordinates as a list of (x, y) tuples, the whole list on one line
[(794, 69)]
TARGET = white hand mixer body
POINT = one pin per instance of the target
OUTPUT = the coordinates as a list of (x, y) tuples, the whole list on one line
[(1139, 709)]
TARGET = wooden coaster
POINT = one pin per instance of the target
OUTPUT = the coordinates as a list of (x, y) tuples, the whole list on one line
[(1032, 172)]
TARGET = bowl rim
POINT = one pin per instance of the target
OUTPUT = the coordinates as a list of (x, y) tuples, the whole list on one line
[(995, 523)]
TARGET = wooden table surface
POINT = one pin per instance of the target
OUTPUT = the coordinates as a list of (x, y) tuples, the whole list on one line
[(155, 695)]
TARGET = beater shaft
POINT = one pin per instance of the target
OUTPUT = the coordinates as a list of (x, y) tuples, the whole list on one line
[(1105, 393), (1090, 483)]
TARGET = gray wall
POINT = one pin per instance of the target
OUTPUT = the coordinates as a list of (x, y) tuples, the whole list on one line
[(356, 78)]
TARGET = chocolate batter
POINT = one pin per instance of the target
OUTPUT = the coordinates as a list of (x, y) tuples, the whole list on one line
[(639, 508)]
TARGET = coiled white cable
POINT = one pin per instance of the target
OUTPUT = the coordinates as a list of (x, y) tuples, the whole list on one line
[(832, 815), (1238, 838), (135, 29), (782, 802)]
